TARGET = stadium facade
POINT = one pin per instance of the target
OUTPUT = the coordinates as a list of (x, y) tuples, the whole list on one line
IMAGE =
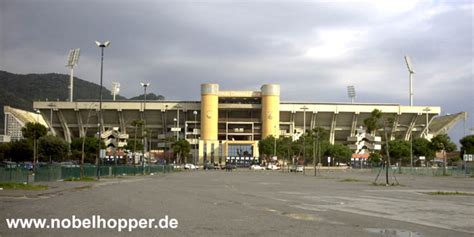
[(230, 123)]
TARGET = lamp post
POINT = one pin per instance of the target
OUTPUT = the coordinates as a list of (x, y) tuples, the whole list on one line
[(411, 71), (177, 121), (176, 129), (427, 110), (304, 108), (102, 46), (51, 105), (195, 135), (144, 85), (35, 142)]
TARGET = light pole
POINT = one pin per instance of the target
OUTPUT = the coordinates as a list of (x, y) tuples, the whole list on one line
[(51, 105), (144, 85), (177, 121), (195, 135), (304, 108), (73, 58), (102, 46), (427, 110), (35, 142), (176, 129), (411, 71)]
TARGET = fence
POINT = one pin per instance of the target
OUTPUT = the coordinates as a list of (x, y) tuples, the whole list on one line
[(55, 172), (431, 171)]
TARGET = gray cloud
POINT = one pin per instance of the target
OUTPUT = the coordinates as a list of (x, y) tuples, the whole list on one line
[(313, 49)]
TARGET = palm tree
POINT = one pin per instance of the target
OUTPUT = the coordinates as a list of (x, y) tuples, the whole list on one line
[(136, 123), (181, 148)]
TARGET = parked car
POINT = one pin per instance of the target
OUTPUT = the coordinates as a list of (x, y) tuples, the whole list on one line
[(189, 167), (296, 168), (68, 164), (27, 165), (208, 166), (9, 164), (229, 167), (272, 167), (256, 167)]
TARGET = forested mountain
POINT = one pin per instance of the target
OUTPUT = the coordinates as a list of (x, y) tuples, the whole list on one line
[(20, 90)]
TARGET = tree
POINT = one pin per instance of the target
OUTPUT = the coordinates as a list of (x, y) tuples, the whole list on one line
[(133, 144), (375, 158), (137, 123), (422, 147), (91, 147), (4, 151), (181, 148), (284, 147), (21, 150), (442, 142), (266, 146), (52, 148), (467, 145), (339, 152), (33, 131), (373, 123), (399, 149)]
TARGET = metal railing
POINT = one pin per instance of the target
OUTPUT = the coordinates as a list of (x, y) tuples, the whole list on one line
[(56, 172)]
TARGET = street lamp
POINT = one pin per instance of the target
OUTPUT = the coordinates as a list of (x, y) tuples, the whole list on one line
[(177, 121), (144, 85), (102, 46), (427, 110), (304, 108), (51, 105), (35, 142), (195, 135), (176, 129)]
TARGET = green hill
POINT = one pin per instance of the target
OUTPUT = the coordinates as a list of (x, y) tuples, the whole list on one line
[(20, 90)]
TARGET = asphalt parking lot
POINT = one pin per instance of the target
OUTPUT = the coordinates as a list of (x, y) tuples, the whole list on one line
[(255, 203)]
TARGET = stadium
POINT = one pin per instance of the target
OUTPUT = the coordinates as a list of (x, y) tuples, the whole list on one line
[(230, 123)]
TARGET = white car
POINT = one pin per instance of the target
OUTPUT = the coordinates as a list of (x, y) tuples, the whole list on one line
[(272, 167), (256, 167), (189, 167)]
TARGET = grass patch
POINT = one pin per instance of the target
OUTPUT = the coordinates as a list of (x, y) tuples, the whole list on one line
[(22, 186), (83, 179), (83, 187), (449, 193), (350, 180)]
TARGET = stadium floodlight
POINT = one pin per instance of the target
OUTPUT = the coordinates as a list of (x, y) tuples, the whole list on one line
[(102, 46), (145, 148), (115, 89), (351, 93), (72, 60), (411, 71)]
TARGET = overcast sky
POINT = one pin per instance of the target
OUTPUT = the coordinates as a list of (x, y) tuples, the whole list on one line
[(313, 49)]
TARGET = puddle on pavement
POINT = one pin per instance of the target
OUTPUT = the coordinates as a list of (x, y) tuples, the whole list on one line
[(393, 232)]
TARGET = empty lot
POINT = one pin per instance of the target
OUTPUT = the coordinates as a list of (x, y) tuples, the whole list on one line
[(255, 203)]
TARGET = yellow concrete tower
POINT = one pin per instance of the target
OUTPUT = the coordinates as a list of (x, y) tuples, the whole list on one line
[(209, 111), (270, 110)]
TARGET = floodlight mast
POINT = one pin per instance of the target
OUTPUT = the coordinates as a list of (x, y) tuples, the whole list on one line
[(72, 61), (115, 89), (411, 71), (351, 93)]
